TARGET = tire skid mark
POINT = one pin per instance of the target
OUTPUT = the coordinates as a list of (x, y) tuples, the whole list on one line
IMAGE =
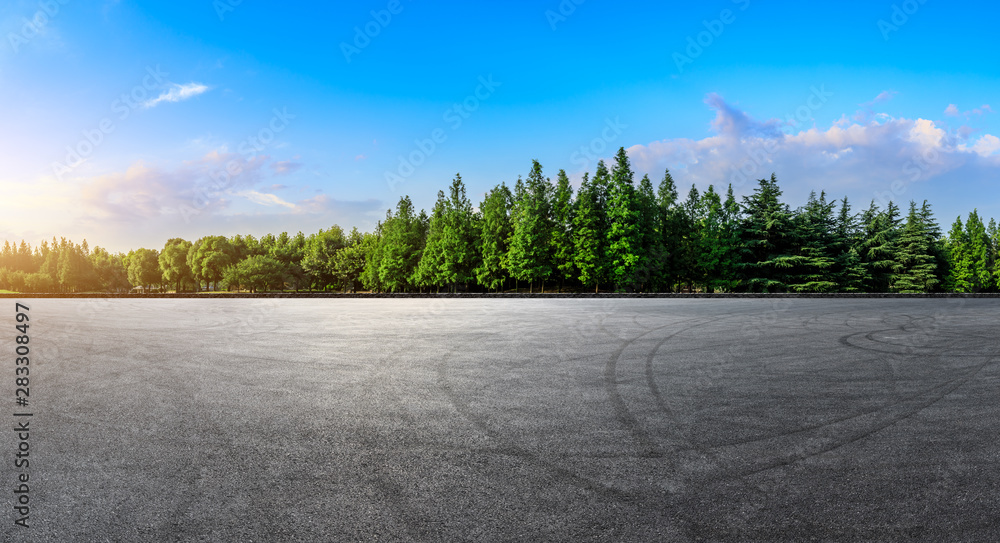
[(839, 420), (858, 435), (560, 473)]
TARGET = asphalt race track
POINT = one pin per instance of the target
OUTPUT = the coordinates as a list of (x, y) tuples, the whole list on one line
[(509, 420)]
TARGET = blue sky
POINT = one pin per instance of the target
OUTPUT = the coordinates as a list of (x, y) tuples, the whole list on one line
[(131, 122)]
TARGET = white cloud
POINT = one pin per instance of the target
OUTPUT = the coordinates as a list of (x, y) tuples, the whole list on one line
[(953, 111), (858, 158), (987, 145), (176, 93), (265, 199)]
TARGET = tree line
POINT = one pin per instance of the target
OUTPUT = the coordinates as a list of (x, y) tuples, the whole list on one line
[(611, 234)]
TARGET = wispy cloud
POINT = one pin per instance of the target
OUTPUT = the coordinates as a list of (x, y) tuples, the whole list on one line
[(176, 93), (883, 96), (265, 199), (285, 166), (953, 111)]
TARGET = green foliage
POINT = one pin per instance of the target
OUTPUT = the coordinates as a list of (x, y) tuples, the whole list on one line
[(814, 266), (624, 238), (878, 245), (173, 263), (459, 245), (428, 273), (590, 229), (672, 227), (970, 252), (401, 246), (349, 262), (612, 231), (144, 268), (319, 257), (916, 266), (494, 235), (209, 257), (765, 240), (110, 270), (530, 254), (256, 273)]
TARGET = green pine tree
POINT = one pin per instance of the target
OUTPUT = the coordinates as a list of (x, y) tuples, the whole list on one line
[(530, 253), (623, 233), (765, 239), (495, 232), (563, 266), (589, 237), (917, 268), (459, 243)]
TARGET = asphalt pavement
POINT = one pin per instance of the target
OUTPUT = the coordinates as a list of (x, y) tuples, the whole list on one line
[(507, 420)]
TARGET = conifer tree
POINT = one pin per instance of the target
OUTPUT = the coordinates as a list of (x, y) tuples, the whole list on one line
[(917, 269), (650, 247), (623, 231), (370, 278), (878, 245), (670, 225), (765, 239), (980, 249), (494, 237), (713, 242), (459, 243), (563, 266), (960, 274), (812, 270), (530, 253), (401, 247), (589, 237), (689, 231), (428, 273), (850, 274)]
